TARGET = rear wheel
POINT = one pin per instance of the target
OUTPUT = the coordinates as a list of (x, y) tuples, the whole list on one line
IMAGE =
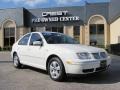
[(56, 69), (16, 61)]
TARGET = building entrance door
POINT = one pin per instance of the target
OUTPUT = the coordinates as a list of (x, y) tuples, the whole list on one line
[(9, 36), (97, 34)]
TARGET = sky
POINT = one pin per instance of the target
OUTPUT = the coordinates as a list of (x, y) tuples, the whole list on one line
[(44, 3)]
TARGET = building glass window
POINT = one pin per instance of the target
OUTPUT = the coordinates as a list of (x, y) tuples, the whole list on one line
[(100, 28), (93, 29), (9, 36), (48, 29), (97, 34), (60, 29), (55, 29), (33, 29), (76, 33)]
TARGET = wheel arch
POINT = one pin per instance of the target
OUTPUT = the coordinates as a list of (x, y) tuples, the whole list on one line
[(14, 53), (51, 56)]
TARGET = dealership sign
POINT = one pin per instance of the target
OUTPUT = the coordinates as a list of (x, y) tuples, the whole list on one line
[(58, 16)]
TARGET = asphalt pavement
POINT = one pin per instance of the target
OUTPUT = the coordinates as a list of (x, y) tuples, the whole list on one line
[(30, 78)]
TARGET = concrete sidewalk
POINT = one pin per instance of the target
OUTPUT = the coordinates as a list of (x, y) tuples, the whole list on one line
[(5, 56)]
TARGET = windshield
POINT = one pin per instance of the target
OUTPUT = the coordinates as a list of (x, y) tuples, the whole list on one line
[(58, 38)]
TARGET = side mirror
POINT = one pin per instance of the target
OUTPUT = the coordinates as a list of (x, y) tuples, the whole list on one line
[(38, 43)]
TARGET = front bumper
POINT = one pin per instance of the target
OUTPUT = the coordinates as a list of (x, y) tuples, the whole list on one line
[(86, 67)]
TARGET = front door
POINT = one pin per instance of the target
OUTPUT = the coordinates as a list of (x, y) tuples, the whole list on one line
[(36, 53)]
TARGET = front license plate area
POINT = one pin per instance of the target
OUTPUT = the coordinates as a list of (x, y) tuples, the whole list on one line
[(103, 63)]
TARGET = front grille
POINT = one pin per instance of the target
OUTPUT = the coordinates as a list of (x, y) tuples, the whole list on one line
[(103, 54), (99, 55), (88, 70), (96, 55)]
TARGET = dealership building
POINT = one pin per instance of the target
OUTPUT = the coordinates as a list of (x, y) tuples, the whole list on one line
[(93, 22)]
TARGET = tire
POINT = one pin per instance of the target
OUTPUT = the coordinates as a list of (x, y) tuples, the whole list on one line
[(56, 69), (16, 61)]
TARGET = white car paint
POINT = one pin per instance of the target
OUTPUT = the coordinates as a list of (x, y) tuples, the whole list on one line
[(36, 56)]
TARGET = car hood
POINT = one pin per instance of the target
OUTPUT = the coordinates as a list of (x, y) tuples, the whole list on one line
[(78, 48)]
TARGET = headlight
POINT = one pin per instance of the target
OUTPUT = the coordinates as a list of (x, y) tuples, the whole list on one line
[(84, 55)]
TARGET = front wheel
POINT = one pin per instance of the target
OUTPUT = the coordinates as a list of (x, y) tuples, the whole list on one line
[(56, 69), (16, 61)]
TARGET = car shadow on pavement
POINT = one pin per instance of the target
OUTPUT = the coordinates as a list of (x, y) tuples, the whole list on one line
[(107, 77), (5, 61), (97, 78), (112, 75), (35, 69)]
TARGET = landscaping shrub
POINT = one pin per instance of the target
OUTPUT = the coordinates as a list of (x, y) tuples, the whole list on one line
[(115, 49), (0, 49)]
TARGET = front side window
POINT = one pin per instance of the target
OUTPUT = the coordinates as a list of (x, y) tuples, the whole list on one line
[(35, 37), (24, 40), (58, 38)]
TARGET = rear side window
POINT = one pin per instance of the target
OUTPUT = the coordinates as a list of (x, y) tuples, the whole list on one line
[(24, 40), (35, 37)]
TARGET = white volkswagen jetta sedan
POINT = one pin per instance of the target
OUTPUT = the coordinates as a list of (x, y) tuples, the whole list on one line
[(58, 54)]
